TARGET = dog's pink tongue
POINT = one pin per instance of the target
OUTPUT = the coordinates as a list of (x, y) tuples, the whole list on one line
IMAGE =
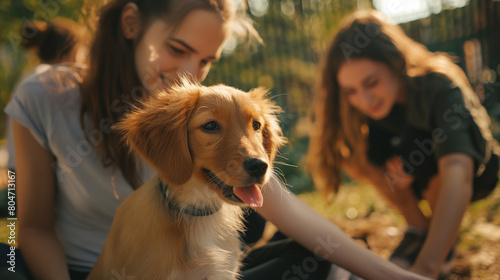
[(250, 195)]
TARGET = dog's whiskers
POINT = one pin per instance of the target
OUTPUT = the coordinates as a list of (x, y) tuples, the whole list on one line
[(280, 175), (285, 164), (280, 155), (282, 185)]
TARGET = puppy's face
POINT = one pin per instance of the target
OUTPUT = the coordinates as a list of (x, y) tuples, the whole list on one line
[(228, 131), (221, 136)]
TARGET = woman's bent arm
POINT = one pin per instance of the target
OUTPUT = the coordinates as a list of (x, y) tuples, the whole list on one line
[(35, 178), (456, 174)]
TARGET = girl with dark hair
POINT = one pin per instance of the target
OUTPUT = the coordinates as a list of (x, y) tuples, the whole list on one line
[(405, 119), (73, 171)]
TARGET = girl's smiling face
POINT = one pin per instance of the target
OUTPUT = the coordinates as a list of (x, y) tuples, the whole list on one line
[(164, 53), (370, 86)]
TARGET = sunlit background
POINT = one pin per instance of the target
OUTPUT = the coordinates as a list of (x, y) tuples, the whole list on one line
[(295, 34)]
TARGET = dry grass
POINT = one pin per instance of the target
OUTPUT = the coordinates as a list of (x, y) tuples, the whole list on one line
[(363, 214)]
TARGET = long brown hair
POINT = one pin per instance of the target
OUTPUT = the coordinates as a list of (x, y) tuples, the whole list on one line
[(339, 131), (112, 85)]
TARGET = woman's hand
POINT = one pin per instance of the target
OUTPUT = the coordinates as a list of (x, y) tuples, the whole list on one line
[(396, 174)]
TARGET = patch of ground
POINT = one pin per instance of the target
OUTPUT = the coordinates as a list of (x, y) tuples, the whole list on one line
[(363, 215)]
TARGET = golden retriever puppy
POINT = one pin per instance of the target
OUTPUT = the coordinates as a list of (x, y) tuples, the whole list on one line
[(213, 149)]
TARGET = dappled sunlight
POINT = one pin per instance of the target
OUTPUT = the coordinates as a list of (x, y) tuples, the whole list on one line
[(364, 215), (258, 8), (409, 10)]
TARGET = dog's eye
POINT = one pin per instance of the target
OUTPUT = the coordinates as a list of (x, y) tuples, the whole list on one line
[(211, 126), (256, 125)]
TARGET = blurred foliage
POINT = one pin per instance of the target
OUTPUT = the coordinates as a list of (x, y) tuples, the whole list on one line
[(14, 16), (295, 33)]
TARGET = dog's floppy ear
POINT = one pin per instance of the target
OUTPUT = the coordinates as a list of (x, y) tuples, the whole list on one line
[(157, 131), (273, 135)]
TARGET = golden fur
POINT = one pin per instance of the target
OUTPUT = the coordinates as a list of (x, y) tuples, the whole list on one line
[(150, 240)]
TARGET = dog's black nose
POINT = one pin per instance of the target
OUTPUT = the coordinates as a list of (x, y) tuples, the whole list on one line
[(255, 167)]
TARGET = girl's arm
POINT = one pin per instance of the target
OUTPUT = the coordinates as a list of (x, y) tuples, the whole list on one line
[(456, 175), (394, 184), (35, 177), (300, 222)]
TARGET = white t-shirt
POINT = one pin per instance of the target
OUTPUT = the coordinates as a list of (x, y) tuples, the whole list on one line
[(48, 105), (9, 135)]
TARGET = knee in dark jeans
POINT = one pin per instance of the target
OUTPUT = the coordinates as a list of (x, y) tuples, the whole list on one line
[(307, 265)]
